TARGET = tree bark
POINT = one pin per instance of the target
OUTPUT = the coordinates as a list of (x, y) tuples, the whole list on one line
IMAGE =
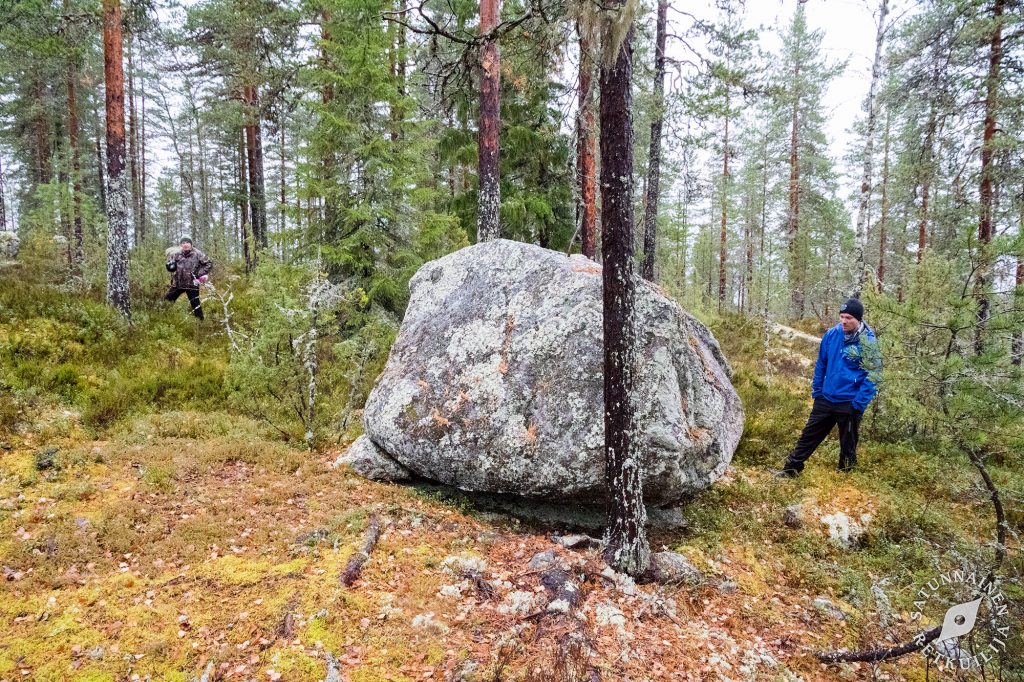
[(76, 174), (99, 161), (748, 289), (143, 224), (254, 157), (884, 217), (585, 153), (722, 236), (488, 144), (869, 148), (793, 221), (3, 202), (654, 155), (243, 203), (119, 217), (627, 549), (928, 156), (985, 190), (283, 187)]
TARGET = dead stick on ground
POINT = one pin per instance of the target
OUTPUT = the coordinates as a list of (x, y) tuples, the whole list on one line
[(922, 639), (355, 564)]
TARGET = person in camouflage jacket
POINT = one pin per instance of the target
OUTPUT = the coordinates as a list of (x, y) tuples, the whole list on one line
[(189, 267)]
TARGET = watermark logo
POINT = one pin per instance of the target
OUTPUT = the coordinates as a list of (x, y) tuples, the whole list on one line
[(974, 629)]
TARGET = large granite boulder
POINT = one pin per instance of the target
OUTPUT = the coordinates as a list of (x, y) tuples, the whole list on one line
[(9, 244), (495, 382)]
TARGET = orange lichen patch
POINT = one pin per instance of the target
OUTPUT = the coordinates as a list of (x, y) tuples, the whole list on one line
[(438, 419), (531, 434), (422, 384), (697, 433), (587, 269), (502, 366)]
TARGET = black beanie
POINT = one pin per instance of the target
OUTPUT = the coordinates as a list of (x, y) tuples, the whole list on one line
[(184, 239), (853, 307)]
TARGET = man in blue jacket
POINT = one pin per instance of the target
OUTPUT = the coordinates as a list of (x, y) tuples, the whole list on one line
[(848, 368)]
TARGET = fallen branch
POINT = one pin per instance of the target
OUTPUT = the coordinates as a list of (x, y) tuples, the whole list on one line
[(920, 641), (333, 670), (206, 676), (355, 564)]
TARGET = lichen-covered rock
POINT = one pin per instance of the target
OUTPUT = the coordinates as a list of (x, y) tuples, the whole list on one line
[(9, 244), (367, 460), (672, 568), (495, 381)]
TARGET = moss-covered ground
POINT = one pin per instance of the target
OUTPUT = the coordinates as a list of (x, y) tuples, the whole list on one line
[(165, 533)]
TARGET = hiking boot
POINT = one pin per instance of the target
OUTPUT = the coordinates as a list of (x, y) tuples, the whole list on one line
[(785, 473)]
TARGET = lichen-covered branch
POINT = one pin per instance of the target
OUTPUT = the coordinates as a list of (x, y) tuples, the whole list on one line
[(355, 563)]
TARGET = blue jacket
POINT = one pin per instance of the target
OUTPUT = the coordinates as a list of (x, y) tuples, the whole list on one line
[(847, 371)]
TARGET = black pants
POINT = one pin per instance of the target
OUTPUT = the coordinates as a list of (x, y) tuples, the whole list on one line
[(824, 415), (193, 297)]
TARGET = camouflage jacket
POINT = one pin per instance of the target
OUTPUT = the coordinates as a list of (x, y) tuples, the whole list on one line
[(188, 266)]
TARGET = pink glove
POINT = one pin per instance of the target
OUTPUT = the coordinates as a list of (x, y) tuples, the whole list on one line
[(204, 279)]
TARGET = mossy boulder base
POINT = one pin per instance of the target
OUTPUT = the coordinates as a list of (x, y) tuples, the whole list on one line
[(495, 382)]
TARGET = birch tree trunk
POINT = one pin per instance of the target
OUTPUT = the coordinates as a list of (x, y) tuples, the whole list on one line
[(627, 549), (488, 144), (76, 173), (119, 209), (883, 219), (654, 155), (869, 147)]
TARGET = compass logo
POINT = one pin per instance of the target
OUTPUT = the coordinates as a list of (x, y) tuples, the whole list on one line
[(973, 630)]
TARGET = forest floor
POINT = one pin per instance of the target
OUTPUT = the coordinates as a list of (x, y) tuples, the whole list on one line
[(181, 541)]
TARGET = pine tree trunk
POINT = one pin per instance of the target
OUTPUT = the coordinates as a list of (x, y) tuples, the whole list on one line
[(884, 217), (869, 148), (748, 289), (119, 216), (626, 549), (722, 236), (793, 222), (254, 157), (3, 202), (928, 156), (985, 190), (65, 201), (283, 186), (143, 225), (488, 144), (654, 155), (586, 167), (243, 202), (76, 172)]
